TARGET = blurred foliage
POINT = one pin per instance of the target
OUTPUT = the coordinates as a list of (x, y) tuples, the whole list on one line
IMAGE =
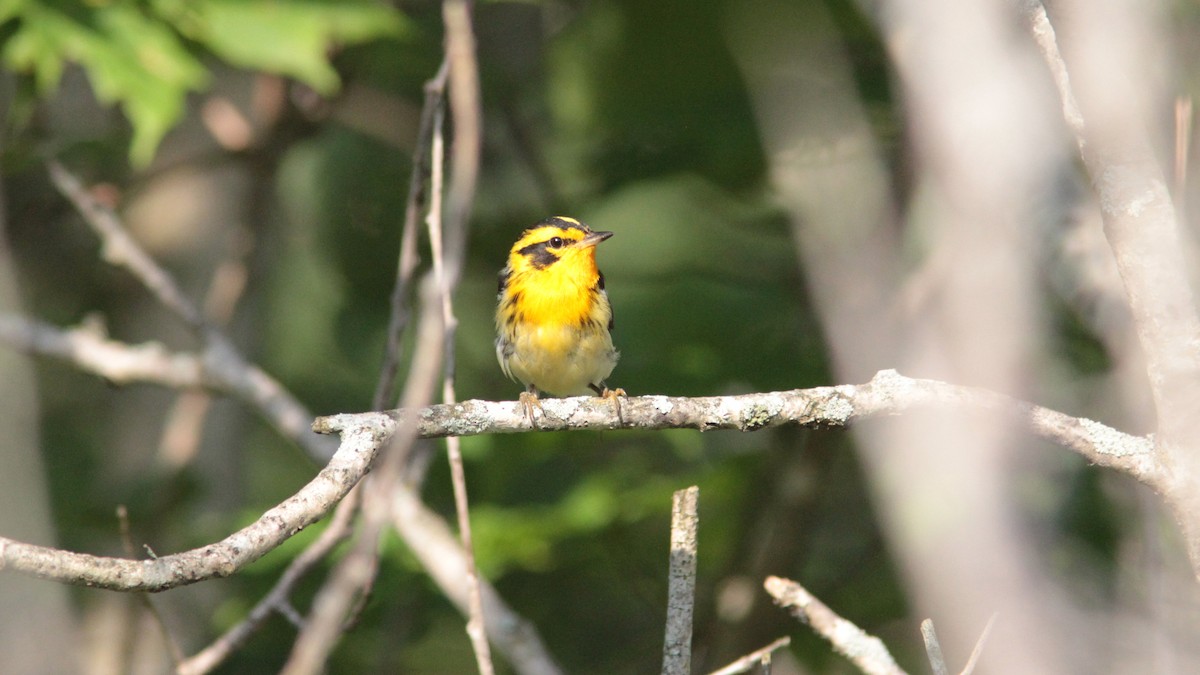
[(148, 56), (630, 115)]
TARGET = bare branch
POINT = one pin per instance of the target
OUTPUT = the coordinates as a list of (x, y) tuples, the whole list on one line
[(933, 648), (277, 599), (865, 651), (223, 363), (429, 538), (467, 114), (888, 393), (978, 650), (329, 610), (148, 602), (681, 582), (435, 91), (219, 559), (757, 657), (88, 349), (1142, 228), (120, 249)]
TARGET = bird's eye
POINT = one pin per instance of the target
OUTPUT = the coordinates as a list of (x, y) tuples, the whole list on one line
[(556, 242)]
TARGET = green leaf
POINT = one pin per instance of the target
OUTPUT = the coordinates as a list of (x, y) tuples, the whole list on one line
[(135, 54), (289, 38), (132, 60)]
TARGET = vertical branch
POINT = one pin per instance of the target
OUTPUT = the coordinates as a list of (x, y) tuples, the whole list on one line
[(418, 195), (681, 582), (448, 253), (130, 552), (1141, 226), (933, 648), (1183, 146), (353, 573)]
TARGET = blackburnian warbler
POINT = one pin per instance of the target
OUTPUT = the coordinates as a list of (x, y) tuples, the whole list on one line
[(553, 318)]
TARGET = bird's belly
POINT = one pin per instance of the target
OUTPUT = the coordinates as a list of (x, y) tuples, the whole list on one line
[(562, 360)]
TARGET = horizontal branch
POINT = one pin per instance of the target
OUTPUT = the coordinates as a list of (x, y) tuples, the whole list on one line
[(88, 348), (888, 393), (219, 559), (219, 367)]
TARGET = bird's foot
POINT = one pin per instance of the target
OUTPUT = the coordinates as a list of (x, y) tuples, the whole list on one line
[(615, 396), (529, 400)]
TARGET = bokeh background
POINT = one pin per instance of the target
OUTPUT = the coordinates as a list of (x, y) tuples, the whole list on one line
[(794, 205)]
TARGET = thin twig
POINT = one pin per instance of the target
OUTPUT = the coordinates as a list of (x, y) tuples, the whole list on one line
[(1143, 230), (757, 657), (978, 650), (338, 530), (151, 607), (447, 235), (933, 648), (418, 195), (681, 582), (1183, 147), (435, 92), (863, 650), (223, 362), (120, 249), (219, 559), (326, 621), (441, 554)]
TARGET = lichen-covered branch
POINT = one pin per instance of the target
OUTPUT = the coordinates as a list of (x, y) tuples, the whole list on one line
[(864, 650), (888, 393), (219, 559), (681, 582)]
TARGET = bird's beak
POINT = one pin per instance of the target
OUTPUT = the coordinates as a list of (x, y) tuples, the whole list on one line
[(593, 239)]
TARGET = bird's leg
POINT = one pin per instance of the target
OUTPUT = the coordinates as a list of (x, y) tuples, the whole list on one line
[(613, 395), (529, 399)]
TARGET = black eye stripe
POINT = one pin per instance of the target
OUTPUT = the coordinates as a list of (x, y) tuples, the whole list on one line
[(539, 255)]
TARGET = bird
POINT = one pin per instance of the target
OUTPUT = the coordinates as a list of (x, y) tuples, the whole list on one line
[(554, 321)]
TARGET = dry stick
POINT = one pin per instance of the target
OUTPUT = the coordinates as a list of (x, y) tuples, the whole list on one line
[(338, 530), (120, 249), (127, 543), (219, 559), (887, 394), (319, 635), (978, 650), (405, 267), (153, 363), (466, 111), (933, 648), (183, 426), (88, 349), (865, 651), (435, 91), (439, 552), (1183, 142), (223, 363), (1142, 228), (681, 582), (760, 656)]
